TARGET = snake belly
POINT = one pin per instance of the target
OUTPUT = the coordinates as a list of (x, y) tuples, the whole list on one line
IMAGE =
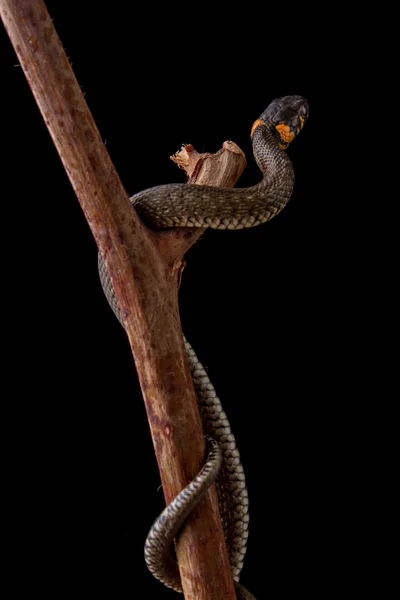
[(185, 205)]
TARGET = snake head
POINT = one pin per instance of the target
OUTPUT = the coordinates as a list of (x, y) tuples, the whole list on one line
[(288, 114)]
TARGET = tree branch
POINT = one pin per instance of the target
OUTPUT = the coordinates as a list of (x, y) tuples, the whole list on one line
[(145, 269)]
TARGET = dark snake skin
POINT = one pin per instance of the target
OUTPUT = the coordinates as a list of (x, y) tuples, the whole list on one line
[(182, 205)]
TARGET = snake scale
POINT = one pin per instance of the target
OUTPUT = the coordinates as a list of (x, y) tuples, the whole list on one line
[(185, 205)]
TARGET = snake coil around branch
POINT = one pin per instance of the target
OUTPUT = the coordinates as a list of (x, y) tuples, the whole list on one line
[(185, 205)]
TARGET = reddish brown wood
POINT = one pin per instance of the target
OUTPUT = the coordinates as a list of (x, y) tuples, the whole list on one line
[(145, 268)]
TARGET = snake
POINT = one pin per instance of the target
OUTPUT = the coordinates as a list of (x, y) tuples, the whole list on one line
[(202, 206)]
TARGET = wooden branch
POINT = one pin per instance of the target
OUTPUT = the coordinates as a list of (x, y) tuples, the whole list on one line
[(222, 169), (144, 267)]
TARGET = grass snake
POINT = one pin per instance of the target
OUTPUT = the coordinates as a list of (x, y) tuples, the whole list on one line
[(185, 205)]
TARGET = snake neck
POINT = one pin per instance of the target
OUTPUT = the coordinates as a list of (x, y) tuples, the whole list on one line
[(272, 161)]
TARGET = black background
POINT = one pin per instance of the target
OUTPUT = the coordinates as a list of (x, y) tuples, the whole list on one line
[(259, 306)]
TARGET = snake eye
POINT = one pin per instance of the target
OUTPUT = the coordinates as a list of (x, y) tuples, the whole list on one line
[(304, 110)]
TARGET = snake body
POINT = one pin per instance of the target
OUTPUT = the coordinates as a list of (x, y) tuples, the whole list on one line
[(183, 205)]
